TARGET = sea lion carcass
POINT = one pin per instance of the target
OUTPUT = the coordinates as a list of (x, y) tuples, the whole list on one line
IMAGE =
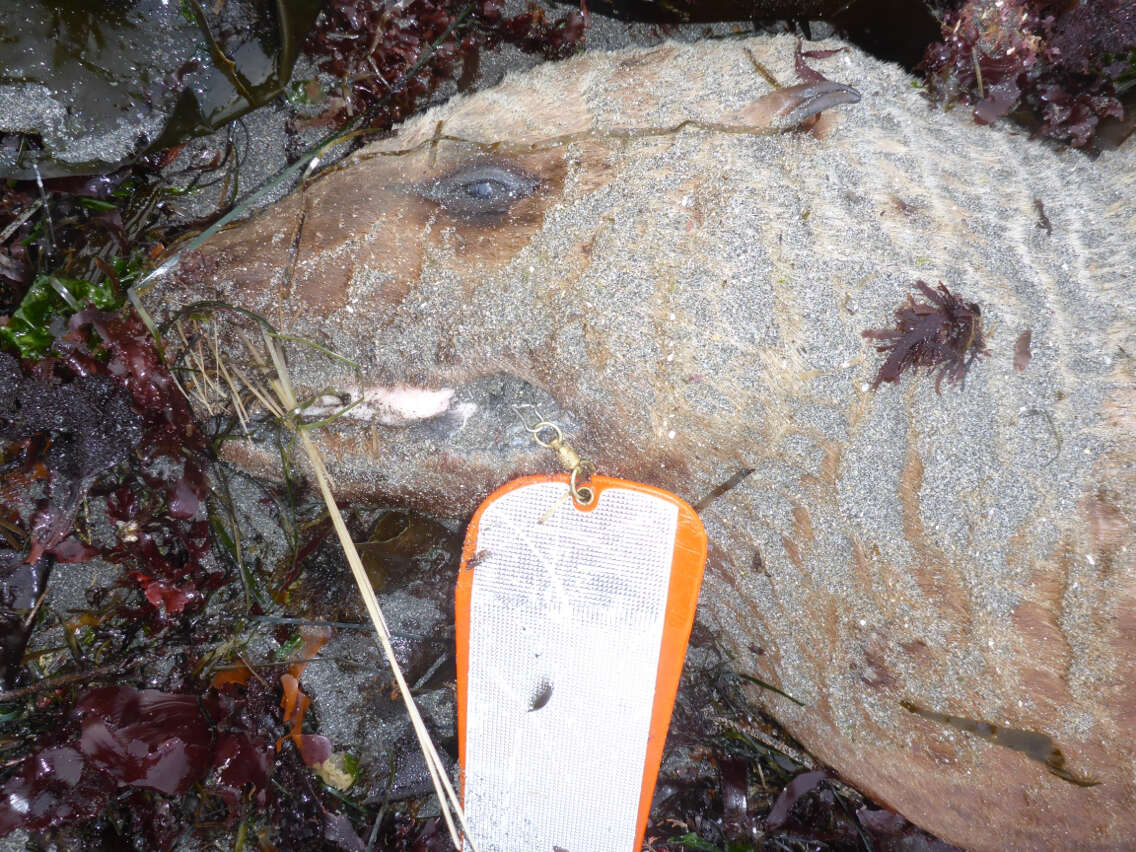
[(620, 240)]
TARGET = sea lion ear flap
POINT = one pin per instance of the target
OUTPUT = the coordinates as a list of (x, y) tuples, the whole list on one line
[(792, 106)]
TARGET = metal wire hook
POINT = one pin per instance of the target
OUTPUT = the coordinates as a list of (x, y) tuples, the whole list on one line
[(569, 459), (582, 494)]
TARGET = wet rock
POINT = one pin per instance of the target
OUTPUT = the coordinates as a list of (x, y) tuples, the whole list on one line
[(89, 83), (21, 586), (88, 86)]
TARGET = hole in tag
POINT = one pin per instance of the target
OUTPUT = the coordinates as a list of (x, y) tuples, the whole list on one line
[(541, 695)]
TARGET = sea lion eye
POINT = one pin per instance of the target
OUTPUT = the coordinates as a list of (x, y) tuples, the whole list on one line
[(484, 190), (480, 189)]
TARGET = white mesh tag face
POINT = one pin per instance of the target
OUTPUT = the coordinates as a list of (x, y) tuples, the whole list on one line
[(566, 618)]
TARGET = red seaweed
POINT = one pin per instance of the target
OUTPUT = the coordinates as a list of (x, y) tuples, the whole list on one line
[(943, 335), (119, 746), (241, 760), (145, 738), (389, 59), (21, 585), (54, 785), (1022, 353), (804, 783), (1062, 63)]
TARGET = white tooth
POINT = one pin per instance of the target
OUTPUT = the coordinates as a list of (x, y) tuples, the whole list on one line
[(405, 403), (324, 406), (396, 405)]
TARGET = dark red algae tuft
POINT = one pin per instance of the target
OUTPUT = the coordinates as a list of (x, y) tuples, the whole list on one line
[(1061, 63), (117, 740), (389, 58), (943, 334), (145, 738)]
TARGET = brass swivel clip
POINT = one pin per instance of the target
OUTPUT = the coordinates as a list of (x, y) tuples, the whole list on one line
[(549, 435)]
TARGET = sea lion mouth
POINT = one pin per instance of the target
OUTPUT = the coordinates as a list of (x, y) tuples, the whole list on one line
[(450, 413), (487, 413), (389, 405)]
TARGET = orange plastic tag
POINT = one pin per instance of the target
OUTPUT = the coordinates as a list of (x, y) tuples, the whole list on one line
[(572, 626)]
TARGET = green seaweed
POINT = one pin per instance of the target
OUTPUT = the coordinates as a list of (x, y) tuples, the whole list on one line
[(50, 296), (769, 686)]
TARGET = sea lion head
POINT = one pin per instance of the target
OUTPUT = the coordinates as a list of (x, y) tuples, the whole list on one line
[(386, 274)]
